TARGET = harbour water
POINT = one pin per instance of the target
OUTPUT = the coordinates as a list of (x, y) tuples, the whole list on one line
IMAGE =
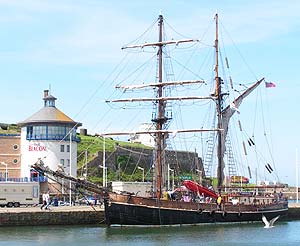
[(284, 233)]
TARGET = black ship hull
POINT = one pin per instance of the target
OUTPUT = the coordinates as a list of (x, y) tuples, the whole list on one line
[(138, 212)]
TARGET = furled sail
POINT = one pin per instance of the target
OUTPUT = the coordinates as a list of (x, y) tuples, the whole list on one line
[(227, 113)]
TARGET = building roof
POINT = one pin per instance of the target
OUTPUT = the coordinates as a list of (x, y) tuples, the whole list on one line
[(49, 114)]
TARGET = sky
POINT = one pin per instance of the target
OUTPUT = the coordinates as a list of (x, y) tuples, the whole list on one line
[(73, 48)]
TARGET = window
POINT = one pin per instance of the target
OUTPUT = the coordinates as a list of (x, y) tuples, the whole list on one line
[(62, 162), (68, 148), (36, 132), (29, 131), (40, 132), (56, 132), (68, 162), (62, 148)]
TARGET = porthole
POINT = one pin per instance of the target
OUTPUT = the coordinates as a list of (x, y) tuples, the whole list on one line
[(16, 147), (15, 161)]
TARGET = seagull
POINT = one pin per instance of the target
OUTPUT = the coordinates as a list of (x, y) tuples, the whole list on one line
[(269, 224)]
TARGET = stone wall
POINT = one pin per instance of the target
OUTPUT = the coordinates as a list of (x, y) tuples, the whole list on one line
[(41, 218), (180, 161)]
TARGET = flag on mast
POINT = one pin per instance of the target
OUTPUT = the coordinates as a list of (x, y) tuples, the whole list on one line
[(270, 84)]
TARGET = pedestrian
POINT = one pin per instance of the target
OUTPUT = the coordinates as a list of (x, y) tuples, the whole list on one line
[(44, 200), (47, 198)]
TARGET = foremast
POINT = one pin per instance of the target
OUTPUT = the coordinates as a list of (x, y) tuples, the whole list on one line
[(161, 134)]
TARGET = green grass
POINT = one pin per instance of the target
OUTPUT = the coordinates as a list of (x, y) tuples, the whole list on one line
[(94, 144), (9, 129)]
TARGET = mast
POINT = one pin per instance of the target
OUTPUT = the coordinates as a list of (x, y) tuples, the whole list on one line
[(161, 101), (219, 109), (160, 120), (224, 114)]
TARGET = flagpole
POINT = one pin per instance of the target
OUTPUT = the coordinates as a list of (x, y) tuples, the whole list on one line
[(297, 177)]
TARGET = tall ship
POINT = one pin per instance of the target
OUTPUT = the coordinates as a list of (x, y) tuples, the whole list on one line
[(218, 197), (224, 203)]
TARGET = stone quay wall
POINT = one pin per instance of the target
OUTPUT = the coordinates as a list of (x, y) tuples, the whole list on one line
[(54, 216)]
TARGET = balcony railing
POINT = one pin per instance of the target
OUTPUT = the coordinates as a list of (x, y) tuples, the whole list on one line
[(24, 180), (57, 137)]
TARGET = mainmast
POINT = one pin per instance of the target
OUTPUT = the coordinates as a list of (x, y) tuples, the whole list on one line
[(161, 119), (224, 114), (218, 94)]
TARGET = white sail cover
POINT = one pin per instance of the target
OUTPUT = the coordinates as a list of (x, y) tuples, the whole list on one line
[(227, 113)]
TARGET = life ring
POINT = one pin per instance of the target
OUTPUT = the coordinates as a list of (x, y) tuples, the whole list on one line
[(200, 211)]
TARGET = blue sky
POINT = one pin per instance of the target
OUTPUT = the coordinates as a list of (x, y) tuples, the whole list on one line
[(74, 46)]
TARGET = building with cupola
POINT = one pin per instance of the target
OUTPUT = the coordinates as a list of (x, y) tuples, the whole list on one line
[(49, 135)]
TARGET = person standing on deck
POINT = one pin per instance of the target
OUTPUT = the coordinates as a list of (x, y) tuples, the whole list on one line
[(219, 201)]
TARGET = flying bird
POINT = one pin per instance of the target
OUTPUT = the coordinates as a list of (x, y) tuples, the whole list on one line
[(269, 224)]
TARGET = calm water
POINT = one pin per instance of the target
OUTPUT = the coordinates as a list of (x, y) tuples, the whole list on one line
[(284, 233)]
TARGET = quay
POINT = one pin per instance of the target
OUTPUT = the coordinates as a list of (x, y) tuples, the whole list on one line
[(294, 212), (61, 215), (76, 215)]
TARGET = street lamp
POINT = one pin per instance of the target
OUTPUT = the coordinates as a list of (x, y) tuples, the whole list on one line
[(6, 173), (104, 175), (103, 166), (143, 169)]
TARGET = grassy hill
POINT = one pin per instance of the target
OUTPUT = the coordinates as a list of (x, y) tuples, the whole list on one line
[(9, 129), (93, 144)]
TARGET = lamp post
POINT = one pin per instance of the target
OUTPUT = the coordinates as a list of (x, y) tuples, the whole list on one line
[(6, 173), (103, 166), (143, 170), (70, 194), (104, 175)]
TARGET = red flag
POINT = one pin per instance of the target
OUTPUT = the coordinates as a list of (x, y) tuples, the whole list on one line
[(270, 84)]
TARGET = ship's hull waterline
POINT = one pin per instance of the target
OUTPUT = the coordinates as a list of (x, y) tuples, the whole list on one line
[(147, 211)]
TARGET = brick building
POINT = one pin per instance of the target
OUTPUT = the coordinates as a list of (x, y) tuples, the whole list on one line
[(10, 156)]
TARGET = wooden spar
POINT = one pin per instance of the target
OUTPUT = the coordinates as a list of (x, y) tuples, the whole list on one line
[(161, 99), (219, 109), (161, 43), (130, 87), (161, 119), (158, 131), (43, 170)]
